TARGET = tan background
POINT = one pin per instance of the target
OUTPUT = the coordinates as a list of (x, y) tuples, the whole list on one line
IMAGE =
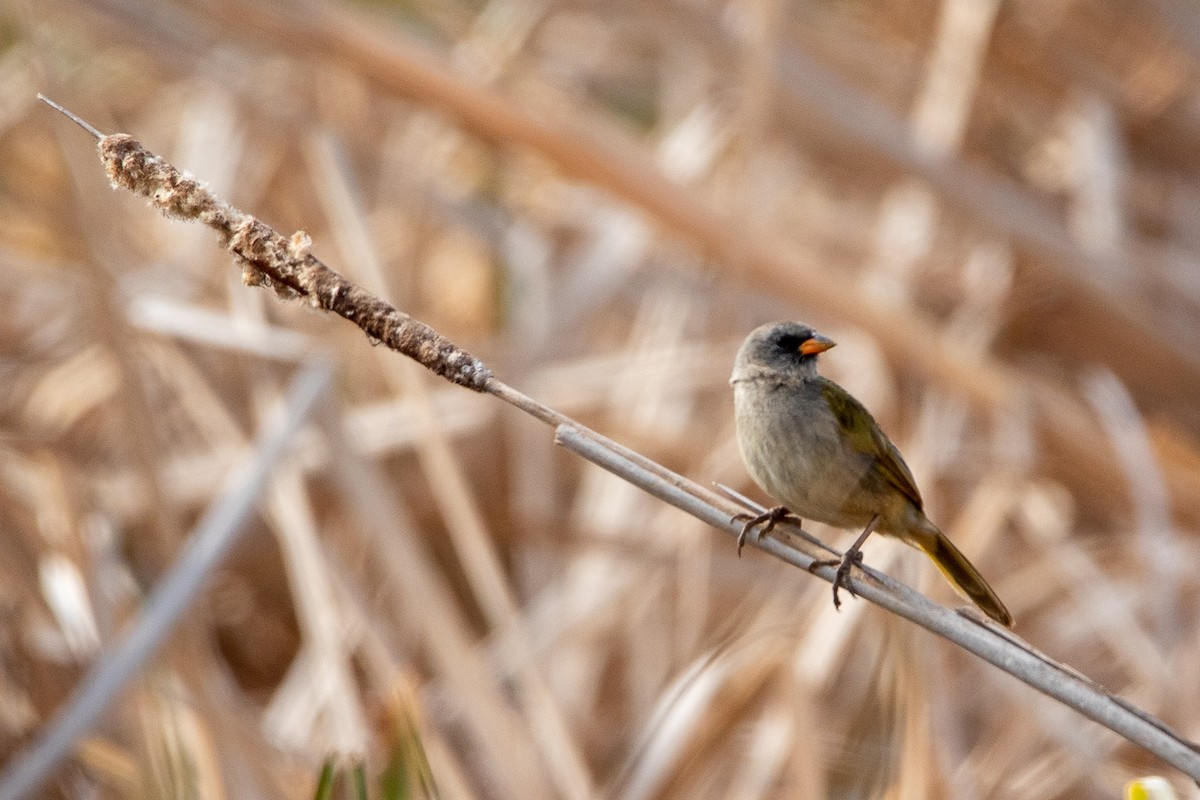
[(992, 206)]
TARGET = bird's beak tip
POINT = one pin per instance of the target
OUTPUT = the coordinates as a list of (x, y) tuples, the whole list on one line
[(816, 344)]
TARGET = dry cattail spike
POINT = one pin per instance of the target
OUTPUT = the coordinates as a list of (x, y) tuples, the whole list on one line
[(285, 265)]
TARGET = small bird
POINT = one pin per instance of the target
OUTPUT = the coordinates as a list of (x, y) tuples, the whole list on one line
[(810, 445)]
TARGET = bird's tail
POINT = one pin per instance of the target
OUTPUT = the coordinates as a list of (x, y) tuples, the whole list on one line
[(963, 576)]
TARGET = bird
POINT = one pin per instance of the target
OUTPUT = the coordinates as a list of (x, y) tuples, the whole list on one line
[(810, 445)]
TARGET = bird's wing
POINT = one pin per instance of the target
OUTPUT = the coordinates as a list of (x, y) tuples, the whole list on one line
[(865, 436)]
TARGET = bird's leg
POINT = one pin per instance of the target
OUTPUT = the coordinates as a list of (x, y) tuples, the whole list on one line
[(770, 516), (851, 557)]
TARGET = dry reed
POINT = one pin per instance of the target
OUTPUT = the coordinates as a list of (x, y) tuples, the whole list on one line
[(989, 205)]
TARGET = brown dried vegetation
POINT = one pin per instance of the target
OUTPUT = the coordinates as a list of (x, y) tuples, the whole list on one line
[(992, 207)]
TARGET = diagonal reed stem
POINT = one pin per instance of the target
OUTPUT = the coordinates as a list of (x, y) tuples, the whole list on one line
[(203, 553)]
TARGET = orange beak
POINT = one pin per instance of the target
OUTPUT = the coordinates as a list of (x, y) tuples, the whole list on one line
[(817, 344)]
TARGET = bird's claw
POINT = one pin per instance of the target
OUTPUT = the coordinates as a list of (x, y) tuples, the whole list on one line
[(841, 577), (770, 516)]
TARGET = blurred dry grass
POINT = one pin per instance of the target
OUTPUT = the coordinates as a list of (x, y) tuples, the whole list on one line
[(991, 206)]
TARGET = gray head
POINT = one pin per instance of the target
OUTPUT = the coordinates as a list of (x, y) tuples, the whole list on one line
[(780, 350)]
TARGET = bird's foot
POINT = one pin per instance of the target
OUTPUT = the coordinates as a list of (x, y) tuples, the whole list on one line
[(849, 559), (852, 557), (770, 516)]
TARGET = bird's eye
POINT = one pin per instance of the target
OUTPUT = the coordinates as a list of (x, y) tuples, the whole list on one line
[(790, 343)]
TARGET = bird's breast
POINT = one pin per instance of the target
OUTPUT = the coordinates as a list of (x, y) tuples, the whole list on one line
[(794, 449)]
